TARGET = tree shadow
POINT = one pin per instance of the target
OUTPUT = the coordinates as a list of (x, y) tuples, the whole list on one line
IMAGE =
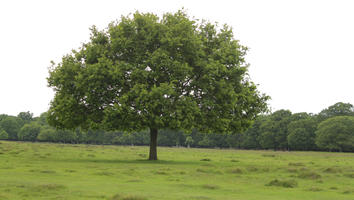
[(136, 161)]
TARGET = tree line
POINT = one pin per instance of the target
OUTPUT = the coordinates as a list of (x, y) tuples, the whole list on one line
[(330, 130)]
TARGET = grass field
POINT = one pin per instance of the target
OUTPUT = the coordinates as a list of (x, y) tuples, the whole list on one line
[(63, 171)]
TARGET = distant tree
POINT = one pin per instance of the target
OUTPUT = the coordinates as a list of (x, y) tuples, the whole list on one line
[(302, 134), (205, 142), (12, 126), (338, 109), (42, 119), (65, 136), (26, 116), (232, 140), (221, 140), (146, 73), (3, 116), (169, 137), (299, 116), (275, 130), (81, 136), (29, 132), (267, 140), (189, 141), (336, 134), (251, 137), (46, 134), (125, 139), (3, 135), (94, 136)]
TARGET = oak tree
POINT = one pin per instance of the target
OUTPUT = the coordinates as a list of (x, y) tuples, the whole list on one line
[(145, 72)]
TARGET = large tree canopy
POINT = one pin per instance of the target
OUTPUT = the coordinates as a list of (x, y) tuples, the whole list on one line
[(143, 72), (338, 109), (336, 133)]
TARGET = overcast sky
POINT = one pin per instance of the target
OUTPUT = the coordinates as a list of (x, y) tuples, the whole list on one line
[(301, 51)]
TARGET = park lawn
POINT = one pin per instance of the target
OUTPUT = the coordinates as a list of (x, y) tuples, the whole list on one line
[(66, 171)]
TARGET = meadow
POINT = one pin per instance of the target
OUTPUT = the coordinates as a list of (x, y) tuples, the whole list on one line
[(66, 171)]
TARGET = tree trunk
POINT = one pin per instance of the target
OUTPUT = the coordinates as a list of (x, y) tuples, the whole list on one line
[(153, 144)]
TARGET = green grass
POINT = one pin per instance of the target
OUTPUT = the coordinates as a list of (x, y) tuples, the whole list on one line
[(62, 171)]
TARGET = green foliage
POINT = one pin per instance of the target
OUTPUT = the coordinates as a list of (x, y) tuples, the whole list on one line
[(338, 109), (171, 137), (3, 116), (3, 135), (125, 138), (206, 142), (144, 72), (29, 132), (336, 134), (26, 116), (300, 116), (11, 125), (65, 136), (189, 140), (250, 139), (42, 119), (302, 134), (275, 130), (46, 134)]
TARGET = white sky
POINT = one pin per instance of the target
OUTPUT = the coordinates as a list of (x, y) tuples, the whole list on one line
[(301, 51)]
